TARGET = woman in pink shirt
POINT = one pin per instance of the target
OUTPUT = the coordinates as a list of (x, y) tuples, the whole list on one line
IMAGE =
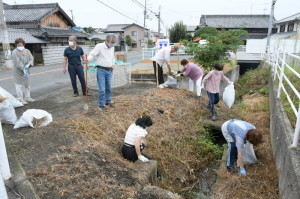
[(194, 72), (212, 85)]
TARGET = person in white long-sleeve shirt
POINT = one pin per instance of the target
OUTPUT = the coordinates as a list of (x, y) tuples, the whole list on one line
[(104, 55), (161, 57)]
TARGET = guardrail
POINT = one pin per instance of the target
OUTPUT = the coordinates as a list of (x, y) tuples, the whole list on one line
[(282, 64)]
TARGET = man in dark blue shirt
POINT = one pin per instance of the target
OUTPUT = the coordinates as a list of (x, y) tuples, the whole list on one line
[(72, 56)]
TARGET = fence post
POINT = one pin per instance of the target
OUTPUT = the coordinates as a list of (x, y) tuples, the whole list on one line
[(281, 75), (4, 166), (297, 130)]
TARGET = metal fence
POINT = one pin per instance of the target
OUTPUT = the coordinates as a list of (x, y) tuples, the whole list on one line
[(121, 75), (286, 69)]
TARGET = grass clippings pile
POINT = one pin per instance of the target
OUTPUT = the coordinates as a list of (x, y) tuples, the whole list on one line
[(94, 167), (176, 140), (261, 180)]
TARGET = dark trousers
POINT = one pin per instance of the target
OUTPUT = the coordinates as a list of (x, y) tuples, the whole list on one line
[(160, 73), (213, 99), (231, 154), (77, 70)]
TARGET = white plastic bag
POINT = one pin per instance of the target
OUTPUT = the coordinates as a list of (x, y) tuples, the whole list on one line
[(171, 82), (7, 113), (34, 118), (229, 95), (249, 154), (11, 99)]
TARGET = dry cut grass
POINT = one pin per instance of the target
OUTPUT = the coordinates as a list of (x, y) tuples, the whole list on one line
[(261, 181)]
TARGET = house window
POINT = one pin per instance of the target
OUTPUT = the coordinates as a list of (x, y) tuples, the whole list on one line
[(282, 28), (290, 27), (133, 33), (134, 45)]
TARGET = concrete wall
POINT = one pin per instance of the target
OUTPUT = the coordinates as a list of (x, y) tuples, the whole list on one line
[(55, 54), (287, 160)]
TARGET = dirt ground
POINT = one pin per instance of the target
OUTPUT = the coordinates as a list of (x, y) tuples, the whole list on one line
[(78, 156)]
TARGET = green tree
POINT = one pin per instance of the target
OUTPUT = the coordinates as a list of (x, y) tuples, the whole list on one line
[(188, 37), (128, 40), (177, 32), (204, 32), (150, 41), (215, 51), (89, 29)]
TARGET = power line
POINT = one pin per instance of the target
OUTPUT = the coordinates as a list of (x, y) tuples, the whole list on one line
[(142, 6), (120, 12)]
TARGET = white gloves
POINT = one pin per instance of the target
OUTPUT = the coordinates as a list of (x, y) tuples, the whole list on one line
[(27, 66), (143, 158), (177, 75), (229, 82), (172, 72)]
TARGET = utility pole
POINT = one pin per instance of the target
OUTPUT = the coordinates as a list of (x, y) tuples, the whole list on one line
[(72, 17), (158, 17), (145, 15), (5, 44), (270, 26)]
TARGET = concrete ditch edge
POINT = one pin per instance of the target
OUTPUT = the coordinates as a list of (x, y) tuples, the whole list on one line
[(287, 159)]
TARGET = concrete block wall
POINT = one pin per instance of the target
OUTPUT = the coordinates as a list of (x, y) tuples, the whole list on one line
[(287, 159), (55, 54)]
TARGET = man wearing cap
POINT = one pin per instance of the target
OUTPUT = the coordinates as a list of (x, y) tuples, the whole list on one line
[(161, 57)]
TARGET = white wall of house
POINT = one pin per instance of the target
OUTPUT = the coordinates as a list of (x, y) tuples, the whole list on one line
[(287, 45)]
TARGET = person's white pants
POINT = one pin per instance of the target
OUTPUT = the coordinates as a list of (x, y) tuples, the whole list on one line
[(23, 91), (198, 86)]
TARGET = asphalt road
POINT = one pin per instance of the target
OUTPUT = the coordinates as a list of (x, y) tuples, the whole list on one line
[(44, 79)]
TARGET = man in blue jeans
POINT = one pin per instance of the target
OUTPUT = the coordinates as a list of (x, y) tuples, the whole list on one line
[(104, 55), (72, 56)]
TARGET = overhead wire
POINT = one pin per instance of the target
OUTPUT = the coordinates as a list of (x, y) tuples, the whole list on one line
[(119, 12)]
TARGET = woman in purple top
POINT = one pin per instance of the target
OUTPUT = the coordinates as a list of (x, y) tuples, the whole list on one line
[(194, 72)]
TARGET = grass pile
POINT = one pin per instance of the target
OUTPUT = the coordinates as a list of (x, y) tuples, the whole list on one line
[(261, 180)]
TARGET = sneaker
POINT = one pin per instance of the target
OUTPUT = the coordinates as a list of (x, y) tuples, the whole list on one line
[(75, 95), (102, 108), (30, 100), (110, 105), (213, 118), (23, 101), (160, 86), (231, 169), (165, 85)]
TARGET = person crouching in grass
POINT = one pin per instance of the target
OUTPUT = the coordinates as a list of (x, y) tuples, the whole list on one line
[(134, 139)]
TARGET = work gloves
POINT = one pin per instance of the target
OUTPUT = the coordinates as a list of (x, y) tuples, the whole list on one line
[(229, 82), (143, 158), (243, 171)]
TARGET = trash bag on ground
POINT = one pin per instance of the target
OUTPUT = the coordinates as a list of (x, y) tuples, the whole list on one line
[(34, 118), (171, 82), (7, 112), (11, 99), (249, 156), (229, 95)]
